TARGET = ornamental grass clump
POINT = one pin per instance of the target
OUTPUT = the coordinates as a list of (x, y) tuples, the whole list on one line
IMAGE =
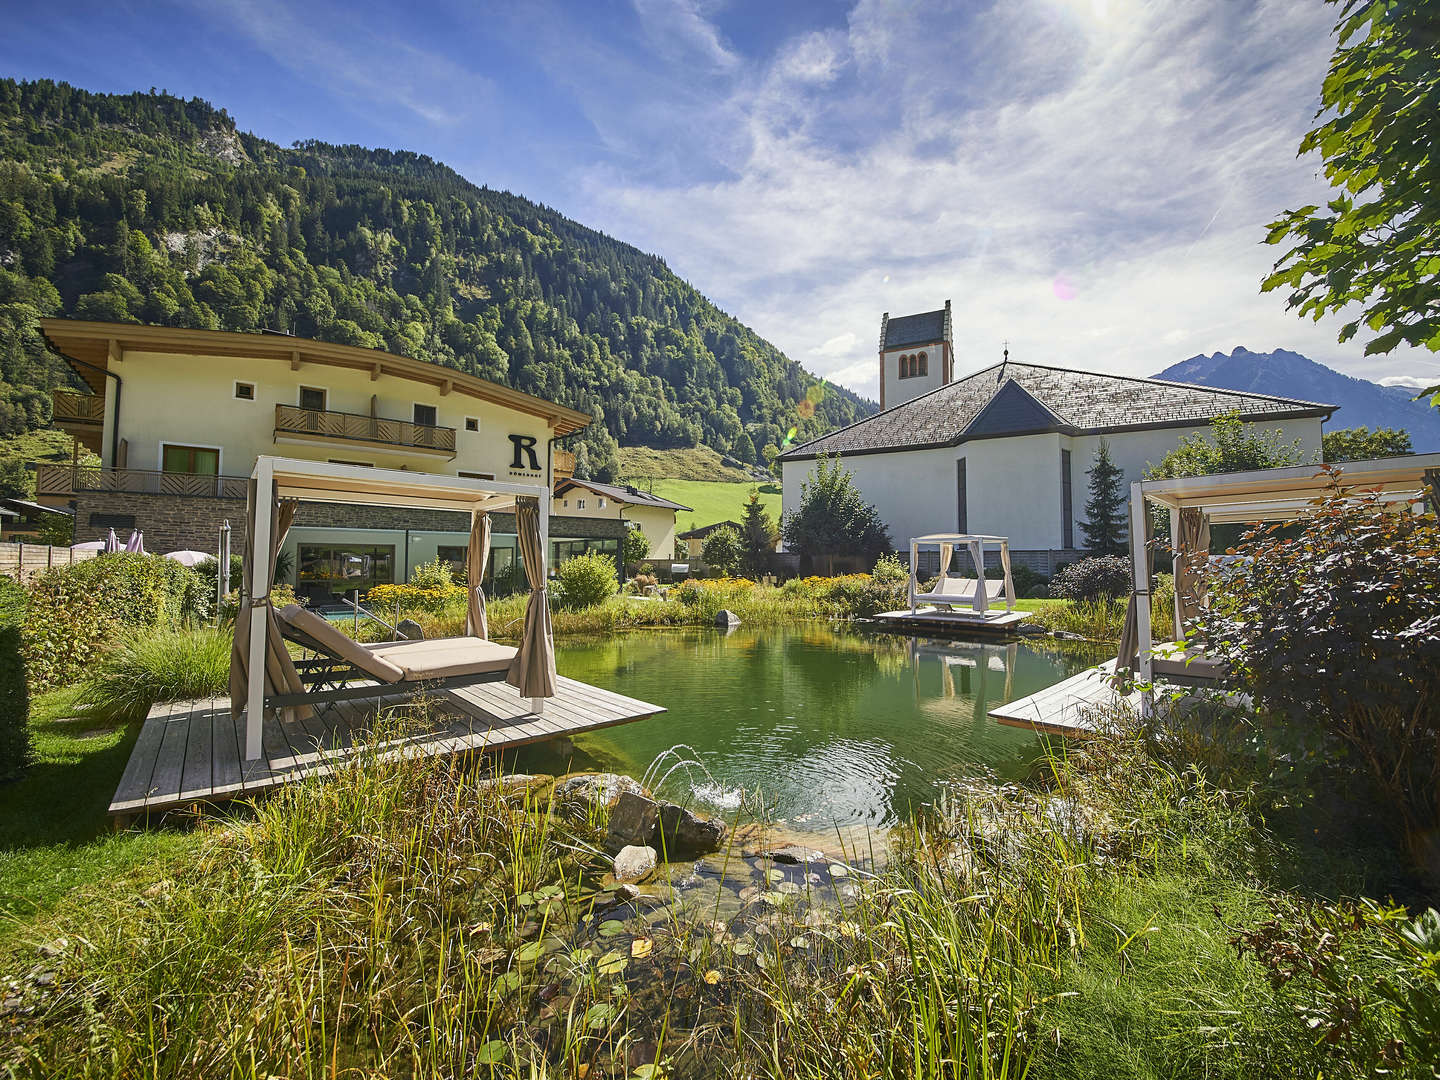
[(163, 665)]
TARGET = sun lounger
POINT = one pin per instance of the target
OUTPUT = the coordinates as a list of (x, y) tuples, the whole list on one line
[(407, 666)]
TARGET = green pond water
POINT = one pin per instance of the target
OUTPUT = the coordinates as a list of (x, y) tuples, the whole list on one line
[(817, 728)]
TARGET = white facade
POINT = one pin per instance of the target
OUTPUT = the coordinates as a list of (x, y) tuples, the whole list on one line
[(1013, 484), (899, 387)]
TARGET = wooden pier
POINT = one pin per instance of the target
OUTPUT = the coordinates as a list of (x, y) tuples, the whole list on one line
[(191, 752), (1069, 707)]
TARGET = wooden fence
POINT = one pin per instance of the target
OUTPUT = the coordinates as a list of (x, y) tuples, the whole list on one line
[(25, 562)]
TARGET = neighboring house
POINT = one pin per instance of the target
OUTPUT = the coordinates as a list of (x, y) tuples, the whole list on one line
[(694, 540), (1005, 450), (24, 520), (654, 516), (179, 416)]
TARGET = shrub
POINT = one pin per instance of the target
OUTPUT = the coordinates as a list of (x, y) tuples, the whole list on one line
[(889, 570), (1095, 578), (724, 550), (76, 610), (169, 665), (1334, 625), (432, 575), (415, 598), (586, 580), (1027, 582), (206, 568), (16, 749)]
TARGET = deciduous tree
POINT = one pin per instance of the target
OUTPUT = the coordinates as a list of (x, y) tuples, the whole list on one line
[(832, 518), (1362, 444)]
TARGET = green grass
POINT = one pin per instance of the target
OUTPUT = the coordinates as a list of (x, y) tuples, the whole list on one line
[(712, 502), (697, 463), (54, 830)]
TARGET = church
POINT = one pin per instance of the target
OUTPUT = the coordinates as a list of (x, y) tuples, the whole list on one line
[(1003, 449)]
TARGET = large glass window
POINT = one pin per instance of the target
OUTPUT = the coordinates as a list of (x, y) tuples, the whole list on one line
[(200, 460), (328, 571)]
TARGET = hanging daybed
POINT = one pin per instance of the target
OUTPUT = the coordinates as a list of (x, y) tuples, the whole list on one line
[(956, 594), (277, 487)]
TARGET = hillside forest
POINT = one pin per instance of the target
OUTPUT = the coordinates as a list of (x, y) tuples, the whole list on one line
[(147, 208)]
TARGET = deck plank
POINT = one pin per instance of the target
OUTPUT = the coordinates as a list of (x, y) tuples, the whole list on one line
[(134, 787), (225, 765), (197, 779), (1061, 709), (170, 761)]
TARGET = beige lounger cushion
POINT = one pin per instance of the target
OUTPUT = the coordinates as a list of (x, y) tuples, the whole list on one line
[(340, 645), (443, 658)]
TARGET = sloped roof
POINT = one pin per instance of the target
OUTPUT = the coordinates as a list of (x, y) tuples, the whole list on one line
[(922, 329), (1022, 399), (626, 494), (705, 530)]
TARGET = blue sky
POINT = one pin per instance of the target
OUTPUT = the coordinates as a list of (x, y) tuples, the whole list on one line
[(1087, 179)]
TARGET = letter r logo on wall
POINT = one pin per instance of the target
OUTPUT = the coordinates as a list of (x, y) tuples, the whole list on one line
[(524, 444)]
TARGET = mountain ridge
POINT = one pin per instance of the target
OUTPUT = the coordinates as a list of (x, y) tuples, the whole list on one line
[(1285, 373), (148, 208)]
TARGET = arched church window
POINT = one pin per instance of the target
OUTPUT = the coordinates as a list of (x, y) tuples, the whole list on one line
[(924, 365)]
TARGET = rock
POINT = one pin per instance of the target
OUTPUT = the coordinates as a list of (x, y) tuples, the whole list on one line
[(725, 618), (410, 630), (517, 783), (633, 862), (632, 821), (600, 790), (794, 855), (683, 835)]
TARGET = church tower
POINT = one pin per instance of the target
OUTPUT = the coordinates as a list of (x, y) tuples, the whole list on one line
[(917, 355)]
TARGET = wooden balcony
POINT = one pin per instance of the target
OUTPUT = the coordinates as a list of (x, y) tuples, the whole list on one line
[(324, 425), (564, 464), (74, 407), (66, 481)]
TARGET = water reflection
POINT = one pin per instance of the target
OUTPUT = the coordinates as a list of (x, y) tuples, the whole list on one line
[(824, 728)]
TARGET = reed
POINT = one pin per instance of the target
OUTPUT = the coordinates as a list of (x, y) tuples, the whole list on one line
[(159, 665)]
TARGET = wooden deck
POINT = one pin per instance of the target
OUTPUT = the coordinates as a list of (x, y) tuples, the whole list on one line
[(1068, 707), (959, 621), (190, 752)]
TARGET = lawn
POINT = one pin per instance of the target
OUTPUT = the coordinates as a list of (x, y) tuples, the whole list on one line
[(644, 463), (712, 501)]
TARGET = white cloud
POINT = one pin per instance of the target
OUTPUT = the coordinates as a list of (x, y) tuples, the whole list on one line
[(678, 28), (1132, 151)]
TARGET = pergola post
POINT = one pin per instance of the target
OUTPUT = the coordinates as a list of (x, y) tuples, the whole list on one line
[(1175, 569), (914, 572), (537, 705), (1140, 568), (261, 555)]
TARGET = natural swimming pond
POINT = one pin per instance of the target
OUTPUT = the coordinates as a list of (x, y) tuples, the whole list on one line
[(824, 728)]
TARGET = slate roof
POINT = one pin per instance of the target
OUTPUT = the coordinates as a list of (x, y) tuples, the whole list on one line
[(705, 530), (625, 494), (922, 329), (1022, 399)]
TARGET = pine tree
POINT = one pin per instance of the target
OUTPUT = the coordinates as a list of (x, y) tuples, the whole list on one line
[(758, 534), (1105, 528), (582, 463)]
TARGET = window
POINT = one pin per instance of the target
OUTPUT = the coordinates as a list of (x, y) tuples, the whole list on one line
[(565, 503), (579, 504), (425, 415), (1067, 509), (327, 571), (924, 362), (602, 504), (200, 460), (245, 391), (312, 398), (453, 556), (113, 521), (471, 424), (962, 501)]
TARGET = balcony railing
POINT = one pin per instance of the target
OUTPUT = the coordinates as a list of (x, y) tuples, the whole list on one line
[(74, 407), (68, 480), (564, 464), (325, 424)]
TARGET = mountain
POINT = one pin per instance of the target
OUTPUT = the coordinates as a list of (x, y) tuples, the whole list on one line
[(145, 207), (1288, 374)]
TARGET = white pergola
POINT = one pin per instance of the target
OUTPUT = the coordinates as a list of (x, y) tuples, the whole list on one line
[(1261, 495), (319, 481)]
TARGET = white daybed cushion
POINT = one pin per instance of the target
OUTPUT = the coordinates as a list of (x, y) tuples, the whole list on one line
[(442, 658), (952, 589), (338, 644)]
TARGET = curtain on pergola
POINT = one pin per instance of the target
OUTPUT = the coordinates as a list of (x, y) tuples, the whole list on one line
[(477, 624), (1127, 656), (280, 674), (532, 672), (1192, 550)]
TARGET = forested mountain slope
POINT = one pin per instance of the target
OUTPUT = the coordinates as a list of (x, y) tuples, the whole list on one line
[(145, 207)]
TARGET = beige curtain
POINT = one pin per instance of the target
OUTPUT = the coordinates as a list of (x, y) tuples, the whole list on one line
[(280, 674), (1127, 656), (476, 622), (945, 552), (532, 672), (1192, 548)]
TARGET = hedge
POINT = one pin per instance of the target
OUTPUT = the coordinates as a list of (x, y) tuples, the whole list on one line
[(76, 610), (16, 750)]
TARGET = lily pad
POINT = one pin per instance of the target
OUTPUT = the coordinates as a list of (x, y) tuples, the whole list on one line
[(641, 947), (611, 927), (529, 953), (613, 963), (491, 1053), (505, 985)]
